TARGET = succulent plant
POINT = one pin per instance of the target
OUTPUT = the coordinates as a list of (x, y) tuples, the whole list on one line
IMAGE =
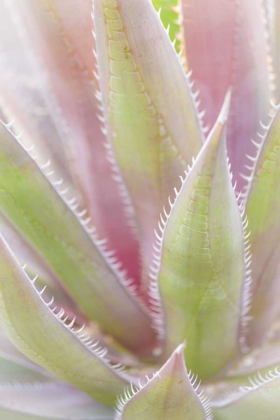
[(176, 313)]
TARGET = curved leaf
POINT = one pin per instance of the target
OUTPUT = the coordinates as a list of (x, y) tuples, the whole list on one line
[(42, 335), (49, 402), (257, 399), (48, 86), (263, 206), (171, 15), (69, 245), (200, 266), (172, 393), (144, 92), (231, 41)]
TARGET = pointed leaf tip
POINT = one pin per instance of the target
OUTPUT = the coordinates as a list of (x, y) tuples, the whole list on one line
[(223, 116), (203, 233), (47, 338), (171, 393)]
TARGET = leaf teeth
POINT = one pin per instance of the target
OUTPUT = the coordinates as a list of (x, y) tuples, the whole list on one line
[(83, 237), (157, 313), (255, 159), (87, 340), (252, 397), (174, 369)]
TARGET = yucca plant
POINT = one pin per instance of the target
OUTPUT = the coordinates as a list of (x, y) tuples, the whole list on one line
[(176, 314)]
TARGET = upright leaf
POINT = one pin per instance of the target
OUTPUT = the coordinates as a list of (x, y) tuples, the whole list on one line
[(257, 398), (172, 393), (226, 45), (64, 237), (48, 88), (199, 265), (43, 335), (171, 14), (149, 110), (263, 206)]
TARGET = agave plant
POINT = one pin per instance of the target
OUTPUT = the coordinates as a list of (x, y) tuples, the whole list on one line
[(176, 313)]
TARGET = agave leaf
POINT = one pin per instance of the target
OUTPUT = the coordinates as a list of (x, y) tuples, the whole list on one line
[(49, 401), (199, 265), (261, 358), (257, 398), (24, 90), (171, 393), (171, 15), (43, 335), (262, 206), (67, 243), (230, 38), (48, 88), (208, 29), (144, 90)]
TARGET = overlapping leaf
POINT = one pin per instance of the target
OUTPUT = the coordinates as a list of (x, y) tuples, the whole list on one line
[(262, 205), (43, 335), (48, 87), (226, 45), (89, 273), (49, 401), (172, 393), (257, 398), (144, 91), (200, 266)]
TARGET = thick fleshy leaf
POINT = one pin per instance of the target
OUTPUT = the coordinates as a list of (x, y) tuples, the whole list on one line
[(226, 45), (48, 88), (263, 206), (199, 267), (68, 244), (149, 110), (43, 335), (49, 402), (258, 398), (35, 265), (172, 393), (171, 14), (24, 90)]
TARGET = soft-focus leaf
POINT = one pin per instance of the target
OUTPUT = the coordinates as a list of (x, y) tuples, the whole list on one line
[(24, 90), (226, 45), (171, 15), (90, 274), (200, 265), (149, 111), (48, 88), (273, 19), (172, 393), (43, 335), (257, 399), (49, 402), (263, 206)]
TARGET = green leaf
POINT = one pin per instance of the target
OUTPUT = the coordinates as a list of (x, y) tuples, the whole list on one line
[(258, 399), (44, 336), (49, 402), (42, 210), (149, 110), (262, 196), (199, 266), (171, 15), (48, 87), (172, 393)]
